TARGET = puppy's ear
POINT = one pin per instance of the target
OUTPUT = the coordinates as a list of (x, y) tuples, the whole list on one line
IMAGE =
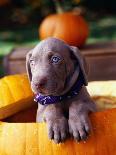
[(82, 63), (28, 56)]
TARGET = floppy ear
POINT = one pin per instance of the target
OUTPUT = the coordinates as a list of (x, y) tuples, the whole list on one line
[(28, 69), (82, 63)]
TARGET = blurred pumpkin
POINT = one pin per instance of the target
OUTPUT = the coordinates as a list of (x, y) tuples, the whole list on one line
[(4, 2), (68, 26), (15, 94), (32, 138)]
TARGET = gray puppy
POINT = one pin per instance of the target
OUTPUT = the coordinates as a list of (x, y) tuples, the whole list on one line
[(54, 68)]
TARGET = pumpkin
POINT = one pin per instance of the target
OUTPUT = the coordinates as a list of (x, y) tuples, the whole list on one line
[(4, 2), (15, 94), (103, 93), (70, 27), (23, 116), (32, 138)]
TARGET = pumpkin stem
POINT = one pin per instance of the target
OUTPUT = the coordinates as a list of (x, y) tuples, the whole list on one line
[(59, 8)]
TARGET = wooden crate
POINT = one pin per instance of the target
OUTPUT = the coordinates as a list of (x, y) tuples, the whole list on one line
[(100, 57), (15, 61), (102, 61)]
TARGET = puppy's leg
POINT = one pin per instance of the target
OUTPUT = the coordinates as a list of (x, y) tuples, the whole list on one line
[(56, 122), (79, 123), (40, 112)]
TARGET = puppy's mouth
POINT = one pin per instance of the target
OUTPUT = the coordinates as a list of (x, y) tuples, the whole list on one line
[(53, 90)]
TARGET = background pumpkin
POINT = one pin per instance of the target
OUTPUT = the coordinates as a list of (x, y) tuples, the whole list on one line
[(4, 2), (67, 26), (32, 138), (15, 94)]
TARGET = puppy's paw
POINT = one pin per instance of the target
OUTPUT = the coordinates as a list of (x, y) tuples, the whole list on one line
[(58, 129), (79, 127)]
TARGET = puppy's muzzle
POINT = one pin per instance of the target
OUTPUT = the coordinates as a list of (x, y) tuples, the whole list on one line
[(41, 84)]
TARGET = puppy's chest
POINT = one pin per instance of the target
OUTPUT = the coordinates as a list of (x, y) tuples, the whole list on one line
[(66, 103)]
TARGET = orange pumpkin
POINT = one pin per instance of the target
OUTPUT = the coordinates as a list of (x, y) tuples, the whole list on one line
[(32, 138), (23, 116), (68, 26), (4, 2)]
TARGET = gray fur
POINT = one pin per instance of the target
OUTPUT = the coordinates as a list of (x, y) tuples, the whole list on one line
[(50, 79)]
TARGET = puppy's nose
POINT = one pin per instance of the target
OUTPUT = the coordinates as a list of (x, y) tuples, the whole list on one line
[(42, 82)]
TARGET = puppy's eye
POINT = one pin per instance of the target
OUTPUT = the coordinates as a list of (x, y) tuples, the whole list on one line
[(55, 59), (32, 62)]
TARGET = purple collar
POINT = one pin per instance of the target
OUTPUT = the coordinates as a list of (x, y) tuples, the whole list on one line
[(46, 100)]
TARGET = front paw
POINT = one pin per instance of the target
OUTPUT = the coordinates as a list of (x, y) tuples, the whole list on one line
[(58, 129), (79, 127)]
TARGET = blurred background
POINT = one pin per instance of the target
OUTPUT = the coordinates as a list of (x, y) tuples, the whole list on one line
[(20, 21)]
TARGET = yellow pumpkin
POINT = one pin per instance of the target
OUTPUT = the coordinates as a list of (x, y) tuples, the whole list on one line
[(32, 138), (15, 94)]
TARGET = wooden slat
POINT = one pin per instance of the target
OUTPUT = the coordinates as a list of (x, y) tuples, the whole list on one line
[(101, 58)]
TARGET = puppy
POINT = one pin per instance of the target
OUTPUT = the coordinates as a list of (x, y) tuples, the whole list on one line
[(58, 76)]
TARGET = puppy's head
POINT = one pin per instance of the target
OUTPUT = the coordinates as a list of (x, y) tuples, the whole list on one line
[(53, 66)]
